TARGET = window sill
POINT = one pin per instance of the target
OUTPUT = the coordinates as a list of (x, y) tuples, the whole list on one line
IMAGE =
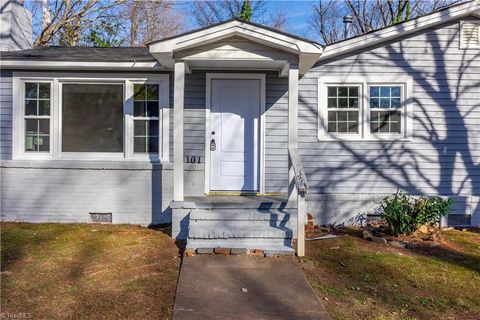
[(361, 139), (84, 165)]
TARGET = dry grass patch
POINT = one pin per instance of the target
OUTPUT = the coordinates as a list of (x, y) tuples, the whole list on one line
[(87, 271), (359, 279)]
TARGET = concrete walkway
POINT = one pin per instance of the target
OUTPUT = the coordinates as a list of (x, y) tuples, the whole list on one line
[(210, 287)]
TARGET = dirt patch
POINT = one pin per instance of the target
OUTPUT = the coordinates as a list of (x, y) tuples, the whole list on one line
[(87, 271)]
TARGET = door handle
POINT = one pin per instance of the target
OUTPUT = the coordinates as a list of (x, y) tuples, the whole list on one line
[(213, 145)]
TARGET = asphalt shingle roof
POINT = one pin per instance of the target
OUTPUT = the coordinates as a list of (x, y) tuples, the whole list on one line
[(117, 54)]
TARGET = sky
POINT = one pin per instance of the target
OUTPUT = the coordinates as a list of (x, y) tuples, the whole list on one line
[(299, 12)]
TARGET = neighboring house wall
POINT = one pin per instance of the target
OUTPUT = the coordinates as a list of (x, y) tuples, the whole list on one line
[(348, 177)]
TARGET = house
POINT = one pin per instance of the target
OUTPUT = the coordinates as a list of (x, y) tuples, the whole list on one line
[(235, 131)]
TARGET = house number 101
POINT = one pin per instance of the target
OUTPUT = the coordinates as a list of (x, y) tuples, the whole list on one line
[(194, 159)]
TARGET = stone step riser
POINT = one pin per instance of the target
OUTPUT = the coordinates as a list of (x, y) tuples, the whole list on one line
[(241, 215), (249, 244)]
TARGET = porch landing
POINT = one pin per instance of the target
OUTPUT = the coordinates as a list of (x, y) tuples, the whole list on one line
[(249, 222)]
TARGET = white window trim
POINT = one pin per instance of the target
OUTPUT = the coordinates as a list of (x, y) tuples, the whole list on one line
[(364, 119), (56, 80)]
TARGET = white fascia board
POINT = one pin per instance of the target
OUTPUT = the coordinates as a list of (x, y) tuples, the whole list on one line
[(87, 65), (368, 40)]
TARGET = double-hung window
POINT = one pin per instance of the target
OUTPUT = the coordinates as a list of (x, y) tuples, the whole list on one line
[(145, 118), (385, 104), (37, 112), (343, 109), (84, 116), (363, 108)]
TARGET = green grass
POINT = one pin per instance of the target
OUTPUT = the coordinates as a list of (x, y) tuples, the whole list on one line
[(81, 271), (366, 280)]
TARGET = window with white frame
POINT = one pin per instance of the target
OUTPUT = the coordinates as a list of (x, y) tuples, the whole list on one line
[(37, 113), (343, 109), (145, 118), (363, 108), (90, 116), (385, 103)]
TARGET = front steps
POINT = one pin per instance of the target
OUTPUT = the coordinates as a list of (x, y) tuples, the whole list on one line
[(262, 223)]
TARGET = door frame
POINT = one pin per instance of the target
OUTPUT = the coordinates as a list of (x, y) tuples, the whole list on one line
[(208, 107)]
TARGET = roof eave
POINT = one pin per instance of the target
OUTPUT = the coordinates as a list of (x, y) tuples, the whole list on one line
[(406, 28)]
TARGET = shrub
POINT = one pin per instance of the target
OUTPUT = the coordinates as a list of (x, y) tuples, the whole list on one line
[(404, 214)]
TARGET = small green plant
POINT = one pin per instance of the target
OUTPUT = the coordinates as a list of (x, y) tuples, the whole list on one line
[(404, 214)]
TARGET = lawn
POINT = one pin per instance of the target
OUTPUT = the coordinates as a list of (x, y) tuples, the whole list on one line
[(81, 271), (359, 279)]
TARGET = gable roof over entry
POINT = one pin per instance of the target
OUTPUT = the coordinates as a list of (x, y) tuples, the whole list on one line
[(296, 50)]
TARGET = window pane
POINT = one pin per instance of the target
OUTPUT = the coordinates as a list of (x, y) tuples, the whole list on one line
[(384, 103), (353, 102), (92, 118), (343, 91), (385, 121), (31, 90), (396, 91), (43, 126), (139, 92), (43, 143), (152, 108), (140, 127), (343, 102), (44, 107), (44, 90), (353, 91), (152, 91), (374, 102), (139, 109), (396, 103), (332, 102), (342, 127), (332, 127), (37, 134), (332, 91), (385, 91), (374, 91), (30, 107), (140, 144)]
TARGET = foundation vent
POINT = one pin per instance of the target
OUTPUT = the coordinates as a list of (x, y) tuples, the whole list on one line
[(101, 217), (462, 220)]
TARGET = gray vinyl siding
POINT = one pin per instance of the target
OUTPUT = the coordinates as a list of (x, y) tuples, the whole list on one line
[(5, 115), (443, 158)]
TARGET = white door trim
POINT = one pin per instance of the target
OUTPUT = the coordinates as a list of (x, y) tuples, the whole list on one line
[(208, 107)]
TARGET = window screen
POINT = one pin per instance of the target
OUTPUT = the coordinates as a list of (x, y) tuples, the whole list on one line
[(37, 116), (343, 108), (92, 117)]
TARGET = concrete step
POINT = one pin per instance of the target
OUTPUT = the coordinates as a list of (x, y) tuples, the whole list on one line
[(205, 229), (243, 215), (269, 246)]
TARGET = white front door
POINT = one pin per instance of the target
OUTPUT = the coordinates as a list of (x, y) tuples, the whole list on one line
[(234, 137)]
